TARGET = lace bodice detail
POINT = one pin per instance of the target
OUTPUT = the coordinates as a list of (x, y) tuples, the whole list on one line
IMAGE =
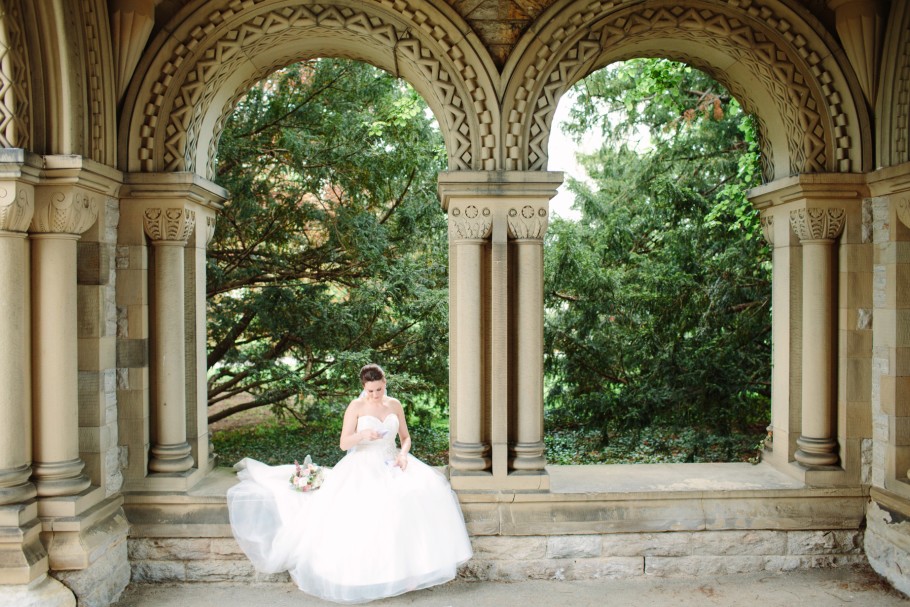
[(386, 444)]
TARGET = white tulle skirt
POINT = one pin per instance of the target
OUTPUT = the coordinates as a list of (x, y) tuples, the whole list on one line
[(371, 530)]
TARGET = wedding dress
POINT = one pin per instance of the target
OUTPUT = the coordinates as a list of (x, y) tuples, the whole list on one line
[(371, 530)]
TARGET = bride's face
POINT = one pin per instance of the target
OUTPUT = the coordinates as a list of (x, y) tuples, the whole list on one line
[(375, 390)]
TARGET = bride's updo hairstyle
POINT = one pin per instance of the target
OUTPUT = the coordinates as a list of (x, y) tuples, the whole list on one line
[(371, 372)]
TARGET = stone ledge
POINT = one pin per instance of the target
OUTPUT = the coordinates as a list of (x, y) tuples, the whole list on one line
[(583, 500)]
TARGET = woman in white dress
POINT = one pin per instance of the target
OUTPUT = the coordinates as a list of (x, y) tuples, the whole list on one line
[(382, 523)]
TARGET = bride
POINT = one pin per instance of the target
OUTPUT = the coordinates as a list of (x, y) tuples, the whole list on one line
[(382, 523)]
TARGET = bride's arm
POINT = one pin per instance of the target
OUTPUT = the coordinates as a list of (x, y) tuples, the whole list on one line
[(404, 437)]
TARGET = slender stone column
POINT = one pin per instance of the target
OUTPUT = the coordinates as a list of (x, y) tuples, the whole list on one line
[(527, 225), (168, 229), (469, 227), (16, 208), (62, 212), (817, 229), (23, 558)]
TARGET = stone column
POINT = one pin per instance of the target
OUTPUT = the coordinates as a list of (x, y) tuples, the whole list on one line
[(527, 225), (496, 320), (818, 230), (168, 229), (23, 559), (469, 228), (63, 210)]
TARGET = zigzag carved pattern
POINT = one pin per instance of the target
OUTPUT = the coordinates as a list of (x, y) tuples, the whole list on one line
[(95, 81), (218, 62), (15, 114), (797, 105)]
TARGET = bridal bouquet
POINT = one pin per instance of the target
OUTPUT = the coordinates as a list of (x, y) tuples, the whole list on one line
[(306, 477)]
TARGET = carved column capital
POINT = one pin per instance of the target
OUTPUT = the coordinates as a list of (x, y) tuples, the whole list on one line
[(209, 229), (528, 222), (64, 209), (767, 227), (470, 222), (173, 224), (17, 207), (815, 223)]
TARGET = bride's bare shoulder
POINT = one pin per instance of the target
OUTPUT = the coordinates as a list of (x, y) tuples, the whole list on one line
[(355, 405)]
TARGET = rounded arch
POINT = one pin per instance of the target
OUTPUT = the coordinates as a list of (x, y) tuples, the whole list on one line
[(772, 56), (196, 70)]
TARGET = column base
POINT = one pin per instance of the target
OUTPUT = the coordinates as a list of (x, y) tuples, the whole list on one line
[(174, 458), (56, 479), (15, 487), (43, 592), (23, 558), (470, 457), (78, 538), (814, 452), (524, 481), (528, 456)]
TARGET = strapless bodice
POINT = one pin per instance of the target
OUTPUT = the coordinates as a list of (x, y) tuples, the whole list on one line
[(389, 425)]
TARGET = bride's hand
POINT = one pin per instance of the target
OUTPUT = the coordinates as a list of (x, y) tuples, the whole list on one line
[(370, 435), (402, 461)]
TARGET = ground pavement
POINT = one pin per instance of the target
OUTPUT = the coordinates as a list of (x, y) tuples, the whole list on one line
[(810, 588)]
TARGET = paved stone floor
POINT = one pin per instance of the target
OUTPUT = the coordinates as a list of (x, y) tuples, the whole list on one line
[(813, 588)]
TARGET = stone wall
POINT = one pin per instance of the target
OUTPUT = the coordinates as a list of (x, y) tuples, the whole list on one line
[(561, 557), (887, 545)]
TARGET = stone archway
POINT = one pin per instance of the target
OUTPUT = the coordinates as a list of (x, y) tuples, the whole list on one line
[(786, 71), (809, 107), (196, 73)]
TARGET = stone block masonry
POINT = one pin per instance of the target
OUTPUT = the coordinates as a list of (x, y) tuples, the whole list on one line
[(559, 557)]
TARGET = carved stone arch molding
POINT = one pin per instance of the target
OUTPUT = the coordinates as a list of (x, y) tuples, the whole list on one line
[(893, 109), (214, 50), (15, 88), (771, 55), (56, 94)]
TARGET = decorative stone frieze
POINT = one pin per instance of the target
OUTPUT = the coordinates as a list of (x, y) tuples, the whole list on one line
[(818, 223)]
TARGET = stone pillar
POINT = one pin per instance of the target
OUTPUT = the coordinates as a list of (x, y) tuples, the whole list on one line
[(166, 219), (818, 229), (168, 230), (527, 225), (197, 415), (23, 559), (786, 341), (469, 229), (63, 210), (819, 329), (496, 326), (891, 332)]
